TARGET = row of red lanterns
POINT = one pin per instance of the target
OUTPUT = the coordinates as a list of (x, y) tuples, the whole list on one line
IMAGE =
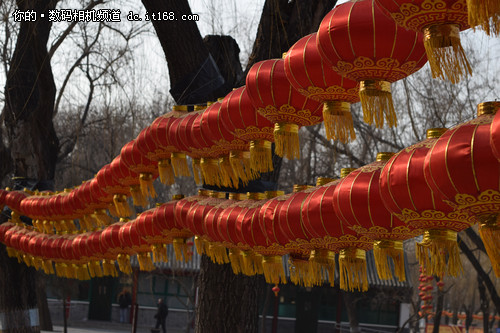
[(437, 187)]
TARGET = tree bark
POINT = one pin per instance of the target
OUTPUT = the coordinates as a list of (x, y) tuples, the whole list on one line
[(350, 305), (484, 303), (439, 308)]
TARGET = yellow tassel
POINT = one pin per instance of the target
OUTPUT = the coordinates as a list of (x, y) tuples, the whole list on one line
[(261, 158), (47, 266), (37, 263), (217, 253), (200, 245), (445, 53), (124, 263), (27, 259), (211, 171), (96, 267), (376, 102), (338, 122), (147, 187), (166, 171), (181, 250), (145, 262), (112, 210), (102, 218), (109, 268), (490, 234), (236, 260), (286, 138), (197, 172), (229, 178), (180, 165), (89, 222), (11, 252), (240, 161), (121, 205), (274, 272), (82, 272), (322, 266), (48, 226), (352, 269), (159, 253), (484, 13), (300, 271), (382, 250), (438, 253), (251, 263), (138, 197)]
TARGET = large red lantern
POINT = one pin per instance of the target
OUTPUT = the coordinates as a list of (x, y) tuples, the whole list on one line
[(110, 246), (406, 195), (357, 202), (118, 192), (313, 78), (276, 99), (238, 115), (126, 177), (182, 208), (441, 23), (462, 168), (83, 252), (361, 43), (132, 243), (137, 162), (98, 251)]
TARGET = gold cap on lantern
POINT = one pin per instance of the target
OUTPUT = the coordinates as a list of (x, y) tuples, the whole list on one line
[(384, 156), (487, 108), (300, 187), (273, 194), (345, 171), (177, 196), (256, 196), (237, 196), (180, 108), (323, 181), (434, 133)]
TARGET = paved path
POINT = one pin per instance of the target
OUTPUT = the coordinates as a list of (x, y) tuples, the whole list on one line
[(93, 326)]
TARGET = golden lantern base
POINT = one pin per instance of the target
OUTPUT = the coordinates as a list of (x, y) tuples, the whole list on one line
[(180, 165), (236, 260), (146, 182), (438, 253), (322, 266), (211, 171), (252, 263), (145, 262), (382, 251), (337, 118), (181, 250), (272, 266), (352, 268), (159, 253), (286, 138), (197, 172), (486, 14), (300, 271), (124, 263), (228, 178), (376, 102), (166, 171), (445, 52), (489, 230), (240, 161)]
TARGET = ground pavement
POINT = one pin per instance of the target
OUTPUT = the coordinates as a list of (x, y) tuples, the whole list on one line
[(95, 326)]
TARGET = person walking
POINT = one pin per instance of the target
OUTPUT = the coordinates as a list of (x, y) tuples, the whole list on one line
[(161, 315), (124, 301)]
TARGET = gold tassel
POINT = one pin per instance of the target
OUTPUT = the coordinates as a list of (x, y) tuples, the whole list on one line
[(252, 263), (138, 197), (484, 13), (217, 253), (352, 269), (159, 253), (82, 273), (211, 171), (147, 187), (121, 205), (37, 263), (240, 161), (112, 210), (181, 250), (445, 53), (322, 266), (166, 171), (180, 165), (438, 245), (47, 266), (109, 268), (124, 263), (228, 176), (382, 250), (286, 138), (95, 269), (273, 269), (261, 158), (489, 230), (48, 226), (376, 102), (200, 245), (102, 218), (197, 172), (300, 271), (236, 260), (338, 122), (145, 262)]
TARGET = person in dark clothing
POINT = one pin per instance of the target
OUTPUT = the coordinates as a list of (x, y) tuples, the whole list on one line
[(161, 315), (124, 300)]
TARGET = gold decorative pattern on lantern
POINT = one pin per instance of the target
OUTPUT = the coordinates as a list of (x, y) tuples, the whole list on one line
[(362, 67), (286, 111)]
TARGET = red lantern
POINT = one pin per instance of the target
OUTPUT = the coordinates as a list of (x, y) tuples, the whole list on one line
[(82, 251), (132, 243), (239, 116), (275, 98), (461, 168), (406, 195), (361, 43), (126, 177), (441, 23), (110, 246), (358, 203), (99, 251), (313, 78), (138, 163)]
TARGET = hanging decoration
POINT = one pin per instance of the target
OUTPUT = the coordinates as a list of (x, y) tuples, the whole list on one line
[(131, 243), (313, 78), (486, 14), (361, 43), (275, 98)]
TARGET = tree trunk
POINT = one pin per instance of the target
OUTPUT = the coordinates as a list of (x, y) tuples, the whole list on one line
[(228, 305), (484, 303), (439, 308), (350, 305), (29, 101)]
